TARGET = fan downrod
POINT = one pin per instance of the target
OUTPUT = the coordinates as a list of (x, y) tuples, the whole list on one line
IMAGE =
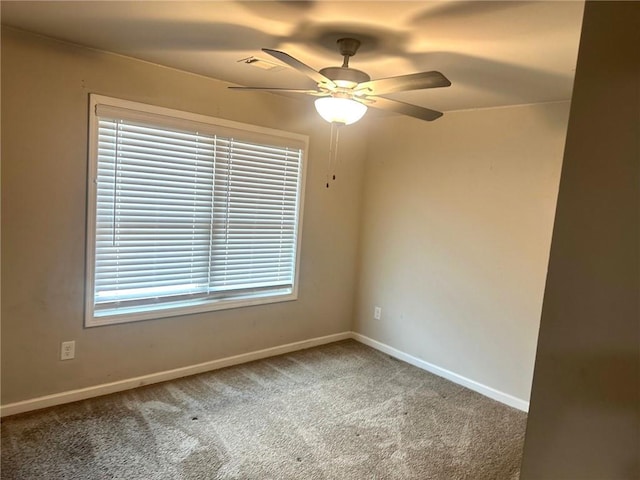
[(347, 48)]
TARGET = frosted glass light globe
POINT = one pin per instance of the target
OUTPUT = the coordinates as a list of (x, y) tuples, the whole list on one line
[(340, 110)]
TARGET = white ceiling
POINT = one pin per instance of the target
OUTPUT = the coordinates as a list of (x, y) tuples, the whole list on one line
[(495, 53)]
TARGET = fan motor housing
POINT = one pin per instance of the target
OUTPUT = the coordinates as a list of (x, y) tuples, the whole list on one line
[(345, 74)]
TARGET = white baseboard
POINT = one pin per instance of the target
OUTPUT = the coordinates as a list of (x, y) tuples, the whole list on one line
[(501, 397), (127, 384)]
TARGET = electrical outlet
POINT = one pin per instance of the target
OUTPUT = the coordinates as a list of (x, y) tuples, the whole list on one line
[(377, 313), (68, 350)]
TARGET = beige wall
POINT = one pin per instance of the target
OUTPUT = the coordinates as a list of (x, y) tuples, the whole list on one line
[(584, 421), (45, 87), (455, 236)]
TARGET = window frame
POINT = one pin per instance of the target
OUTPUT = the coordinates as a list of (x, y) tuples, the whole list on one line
[(157, 311)]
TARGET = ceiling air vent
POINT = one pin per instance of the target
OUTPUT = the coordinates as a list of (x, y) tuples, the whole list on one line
[(260, 63)]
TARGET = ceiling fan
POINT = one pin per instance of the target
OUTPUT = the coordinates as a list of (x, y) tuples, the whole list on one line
[(345, 93)]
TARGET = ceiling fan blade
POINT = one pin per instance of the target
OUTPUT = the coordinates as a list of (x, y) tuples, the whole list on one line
[(403, 108), (316, 93), (402, 83), (301, 67)]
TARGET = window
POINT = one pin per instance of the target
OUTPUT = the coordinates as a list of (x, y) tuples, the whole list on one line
[(188, 213)]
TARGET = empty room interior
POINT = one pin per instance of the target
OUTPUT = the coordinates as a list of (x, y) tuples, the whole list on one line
[(209, 282)]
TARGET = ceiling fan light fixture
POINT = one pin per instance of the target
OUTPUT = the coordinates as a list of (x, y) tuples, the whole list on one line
[(340, 110), (346, 92)]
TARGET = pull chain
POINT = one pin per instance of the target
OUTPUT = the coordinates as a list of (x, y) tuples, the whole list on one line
[(333, 152), (336, 159)]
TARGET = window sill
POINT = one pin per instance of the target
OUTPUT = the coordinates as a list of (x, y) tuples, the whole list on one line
[(135, 314)]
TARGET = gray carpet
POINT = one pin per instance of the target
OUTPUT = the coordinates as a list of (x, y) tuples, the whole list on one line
[(341, 411)]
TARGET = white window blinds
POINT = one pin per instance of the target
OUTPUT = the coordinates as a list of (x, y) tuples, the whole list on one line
[(189, 218)]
